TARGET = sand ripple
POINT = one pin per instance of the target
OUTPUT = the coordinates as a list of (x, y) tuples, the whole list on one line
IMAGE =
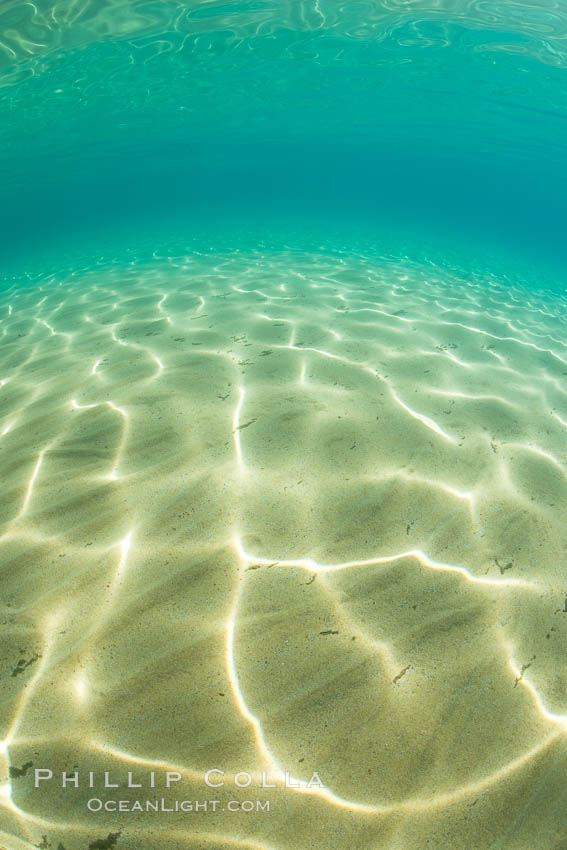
[(284, 513)]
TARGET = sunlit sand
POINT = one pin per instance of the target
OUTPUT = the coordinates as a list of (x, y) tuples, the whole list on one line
[(285, 514)]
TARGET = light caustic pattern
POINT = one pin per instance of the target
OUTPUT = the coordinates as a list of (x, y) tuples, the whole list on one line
[(285, 513)]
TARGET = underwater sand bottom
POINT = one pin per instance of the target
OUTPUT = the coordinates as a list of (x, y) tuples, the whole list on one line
[(293, 517)]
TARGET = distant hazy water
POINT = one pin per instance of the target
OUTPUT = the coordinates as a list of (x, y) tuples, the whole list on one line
[(426, 117)]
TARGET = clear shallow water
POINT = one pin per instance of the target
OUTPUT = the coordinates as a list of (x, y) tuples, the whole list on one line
[(444, 117), (283, 364)]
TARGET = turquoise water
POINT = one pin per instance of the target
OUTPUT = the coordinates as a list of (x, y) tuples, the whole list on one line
[(283, 418), (437, 121)]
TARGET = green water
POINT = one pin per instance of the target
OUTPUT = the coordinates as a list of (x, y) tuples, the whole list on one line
[(428, 120)]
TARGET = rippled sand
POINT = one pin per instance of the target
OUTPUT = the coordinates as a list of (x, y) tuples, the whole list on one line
[(284, 512)]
